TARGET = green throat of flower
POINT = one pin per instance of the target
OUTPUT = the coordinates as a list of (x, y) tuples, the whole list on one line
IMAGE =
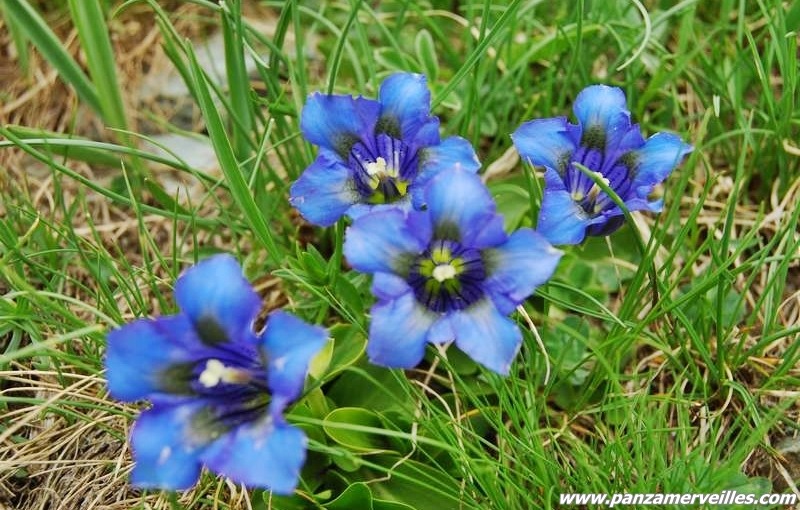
[(441, 271)]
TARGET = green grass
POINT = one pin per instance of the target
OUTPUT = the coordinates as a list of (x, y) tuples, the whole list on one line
[(673, 345)]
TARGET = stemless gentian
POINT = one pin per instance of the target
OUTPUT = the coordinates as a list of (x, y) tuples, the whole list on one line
[(218, 389), (373, 153), (605, 142), (447, 273)]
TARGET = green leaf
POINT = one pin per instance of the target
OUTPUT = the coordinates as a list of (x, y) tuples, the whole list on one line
[(390, 58), (348, 294), (566, 345), (426, 53), (356, 495), (419, 486), (513, 202), (343, 426), (349, 344), (320, 363), (371, 387)]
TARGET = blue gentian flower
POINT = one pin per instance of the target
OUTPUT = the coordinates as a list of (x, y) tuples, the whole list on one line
[(218, 389), (373, 153), (605, 142), (447, 273)]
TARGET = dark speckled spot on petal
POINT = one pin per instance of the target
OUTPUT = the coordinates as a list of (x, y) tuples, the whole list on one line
[(630, 160), (210, 331), (447, 230), (563, 163), (594, 138), (177, 379), (205, 426), (344, 142), (390, 125)]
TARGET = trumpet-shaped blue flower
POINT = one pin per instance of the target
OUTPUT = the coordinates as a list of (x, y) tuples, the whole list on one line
[(373, 153), (605, 142), (218, 389), (449, 273)]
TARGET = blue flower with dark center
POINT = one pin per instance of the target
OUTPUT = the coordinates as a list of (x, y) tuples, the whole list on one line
[(218, 389), (604, 142), (373, 154), (448, 273)]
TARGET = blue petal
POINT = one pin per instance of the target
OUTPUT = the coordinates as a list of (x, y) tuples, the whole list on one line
[(604, 107), (491, 233), (632, 139), (517, 267), (381, 242), (487, 336), (164, 458), (427, 136), (561, 220), (324, 191), (216, 290), (397, 332), (660, 154), (545, 142), (262, 454), (419, 222), (290, 344), (442, 331), (141, 353), (642, 204), (457, 199), (406, 104), (453, 152), (387, 286), (359, 210), (336, 122), (610, 224)]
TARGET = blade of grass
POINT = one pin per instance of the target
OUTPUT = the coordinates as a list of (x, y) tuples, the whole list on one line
[(20, 41), (230, 167), (238, 81), (36, 30), (478, 52), (90, 22)]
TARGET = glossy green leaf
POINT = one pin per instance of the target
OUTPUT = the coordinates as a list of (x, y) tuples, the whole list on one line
[(349, 344), (355, 496), (344, 426)]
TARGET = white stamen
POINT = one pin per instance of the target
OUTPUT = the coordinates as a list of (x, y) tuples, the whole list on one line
[(443, 272), (380, 168), (216, 372), (595, 189)]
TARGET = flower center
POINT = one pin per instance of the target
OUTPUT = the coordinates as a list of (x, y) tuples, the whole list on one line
[(379, 170), (447, 276), (216, 372), (382, 172), (444, 272), (233, 395), (585, 191)]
